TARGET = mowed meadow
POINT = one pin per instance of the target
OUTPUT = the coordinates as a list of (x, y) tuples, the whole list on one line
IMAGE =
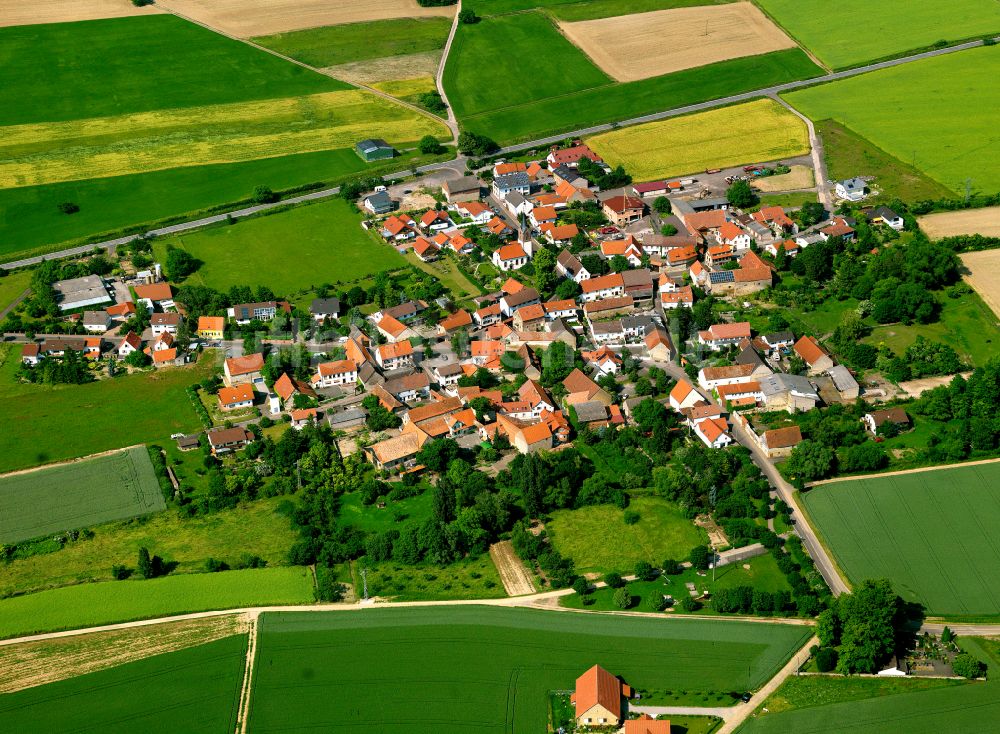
[(184, 97), (484, 669), (931, 532), (936, 115), (754, 132)]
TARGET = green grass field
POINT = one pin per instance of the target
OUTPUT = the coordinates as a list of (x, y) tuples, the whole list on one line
[(833, 33), (151, 63), (873, 706), (75, 495), (946, 146), (518, 119), (478, 669), (930, 533), (287, 251), (847, 154), (254, 528), (31, 223), (68, 421), (340, 44), (370, 518), (192, 690), (597, 538), (524, 50), (13, 285), (87, 605)]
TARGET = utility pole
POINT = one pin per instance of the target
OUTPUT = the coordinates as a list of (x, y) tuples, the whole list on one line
[(968, 190)]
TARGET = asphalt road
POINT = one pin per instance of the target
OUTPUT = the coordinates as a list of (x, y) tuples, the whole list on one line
[(458, 164)]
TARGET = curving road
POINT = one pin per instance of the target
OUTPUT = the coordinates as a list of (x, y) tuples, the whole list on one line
[(458, 164)]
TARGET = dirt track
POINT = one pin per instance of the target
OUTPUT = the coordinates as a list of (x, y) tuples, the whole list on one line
[(249, 18), (643, 45), (899, 473), (515, 577), (26, 12)]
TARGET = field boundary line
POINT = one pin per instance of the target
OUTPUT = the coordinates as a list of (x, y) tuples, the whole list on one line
[(452, 120), (901, 472), (66, 462), (243, 712)]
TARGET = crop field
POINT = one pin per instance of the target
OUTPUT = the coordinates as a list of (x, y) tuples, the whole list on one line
[(984, 276), (643, 45), (754, 132), (16, 12), (946, 146), (830, 31), (340, 44), (196, 689), (478, 669), (31, 223), (968, 221), (533, 48), (516, 119), (29, 664), (929, 532), (185, 543), (319, 243), (911, 705), (43, 153), (800, 177), (388, 69), (87, 605), (52, 423), (597, 538), (264, 17), (68, 496), (586, 9), (183, 65)]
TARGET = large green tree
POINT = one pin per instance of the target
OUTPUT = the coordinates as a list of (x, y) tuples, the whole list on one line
[(868, 621)]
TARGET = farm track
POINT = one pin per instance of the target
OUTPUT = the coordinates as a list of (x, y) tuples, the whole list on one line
[(458, 164), (243, 713), (918, 470), (515, 577)]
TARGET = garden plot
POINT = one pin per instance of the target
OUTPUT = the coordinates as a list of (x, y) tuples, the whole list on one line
[(644, 45)]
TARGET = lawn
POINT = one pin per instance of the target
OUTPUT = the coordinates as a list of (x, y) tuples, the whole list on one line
[(13, 285), (831, 31), (946, 146), (762, 575), (151, 63), (848, 154), (74, 150), (523, 50), (251, 528), (293, 249), (930, 533), (791, 200), (597, 538), (70, 496), (31, 223), (340, 44), (517, 119), (87, 605), (478, 669), (68, 421), (472, 578), (354, 512), (873, 706), (192, 690), (754, 132)]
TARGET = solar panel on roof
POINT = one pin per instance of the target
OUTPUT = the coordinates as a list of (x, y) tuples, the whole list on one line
[(722, 276)]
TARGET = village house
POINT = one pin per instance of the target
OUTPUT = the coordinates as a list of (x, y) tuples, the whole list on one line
[(541, 215), (164, 323), (597, 698), (426, 250), (398, 228), (659, 345), (646, 724), (838, 227), (607, 332), (752, 275), (684, 396), (225, 440), (778, 443), (409, 388), (130, 343), (877, 418), (571, 156), (434, 220), (720, 336), (791, 247), (627, 248), (529, 317), (475, 211), (681, 298), (611, 285), (96, 321), (332, 374), (603, 361), (791, 393), (510, 257), (245, 369), (734, 236), (393, 329), (607, 308), (211, 328), (710, 378), (851, 189), (623, 210), (244, 313), (527, 439), (303, 417), (582, 389), (817, 359), (510, 302), (562, 309), (774, 217), (235, 398), (397, 453), (121, 311), (569, 266), (394, 356), (517, 182), (457, 321), (379, 201), (324, 308), (885, 215), (560, 234), (713, 432), (465, 188), (287, 387), (488, 315)]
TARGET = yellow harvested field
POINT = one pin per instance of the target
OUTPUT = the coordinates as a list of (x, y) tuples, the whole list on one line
[(406, 87), (25, 12), (968, 221), (643, 45), (984, 276), (800, 177), (249, 18), (757, 131), (113, 146)]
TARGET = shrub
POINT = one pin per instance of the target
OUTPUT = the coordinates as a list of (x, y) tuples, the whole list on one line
[(581, 586), (672, 567), (968, 666), (644, 571), (614, 580), (631, 517), (690, 604), (468, 16), (622, 598), (699, 557), (213, 565), (826, 659), (120, 572), (263, 195), (68, 207), (429, 145)]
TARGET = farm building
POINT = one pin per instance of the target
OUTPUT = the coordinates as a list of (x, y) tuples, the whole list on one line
[(598, 698), (374, 149), (465, 188), (79, 292)]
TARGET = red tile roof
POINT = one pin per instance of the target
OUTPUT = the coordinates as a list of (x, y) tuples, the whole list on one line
[(598, 687)]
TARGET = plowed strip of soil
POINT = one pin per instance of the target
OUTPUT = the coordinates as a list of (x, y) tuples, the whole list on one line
[(515, 577)]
